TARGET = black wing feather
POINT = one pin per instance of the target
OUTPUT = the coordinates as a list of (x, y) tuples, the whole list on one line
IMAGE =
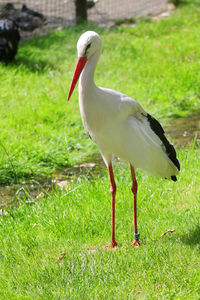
[(159, 131)]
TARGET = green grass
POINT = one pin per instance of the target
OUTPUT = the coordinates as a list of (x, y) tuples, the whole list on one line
[(75, 221), (157, 64)]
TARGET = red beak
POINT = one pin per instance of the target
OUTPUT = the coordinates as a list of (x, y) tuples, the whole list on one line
[(79, 67)]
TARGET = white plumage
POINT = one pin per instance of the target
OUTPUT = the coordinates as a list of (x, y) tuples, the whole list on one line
[(119, 125)]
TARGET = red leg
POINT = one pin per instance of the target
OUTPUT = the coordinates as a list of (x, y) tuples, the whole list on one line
[(134, 191), (113, 193)]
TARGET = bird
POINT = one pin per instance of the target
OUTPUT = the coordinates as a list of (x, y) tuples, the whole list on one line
[(91, 3), (31, 12), (9, 39), (28, 19), (120, 127)]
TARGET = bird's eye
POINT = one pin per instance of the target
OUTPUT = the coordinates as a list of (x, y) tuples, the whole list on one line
[(87, 47)]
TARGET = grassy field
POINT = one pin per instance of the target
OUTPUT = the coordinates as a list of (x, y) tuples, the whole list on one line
[(53, 248)]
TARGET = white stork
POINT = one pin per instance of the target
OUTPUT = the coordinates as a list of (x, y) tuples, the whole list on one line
[(120, 126)]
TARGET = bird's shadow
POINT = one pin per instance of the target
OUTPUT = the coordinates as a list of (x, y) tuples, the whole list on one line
[(192, 237), (32, 65)]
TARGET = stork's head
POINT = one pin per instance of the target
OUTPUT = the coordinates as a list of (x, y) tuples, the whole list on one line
[(88, 44)]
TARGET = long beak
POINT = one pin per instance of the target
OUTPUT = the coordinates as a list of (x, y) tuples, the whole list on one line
[(79, 67)]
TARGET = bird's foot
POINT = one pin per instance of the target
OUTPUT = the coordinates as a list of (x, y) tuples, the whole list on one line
[(113, 244), (136, 242)]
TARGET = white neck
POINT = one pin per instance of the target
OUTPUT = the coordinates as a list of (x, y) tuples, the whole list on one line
[(87, 75)]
